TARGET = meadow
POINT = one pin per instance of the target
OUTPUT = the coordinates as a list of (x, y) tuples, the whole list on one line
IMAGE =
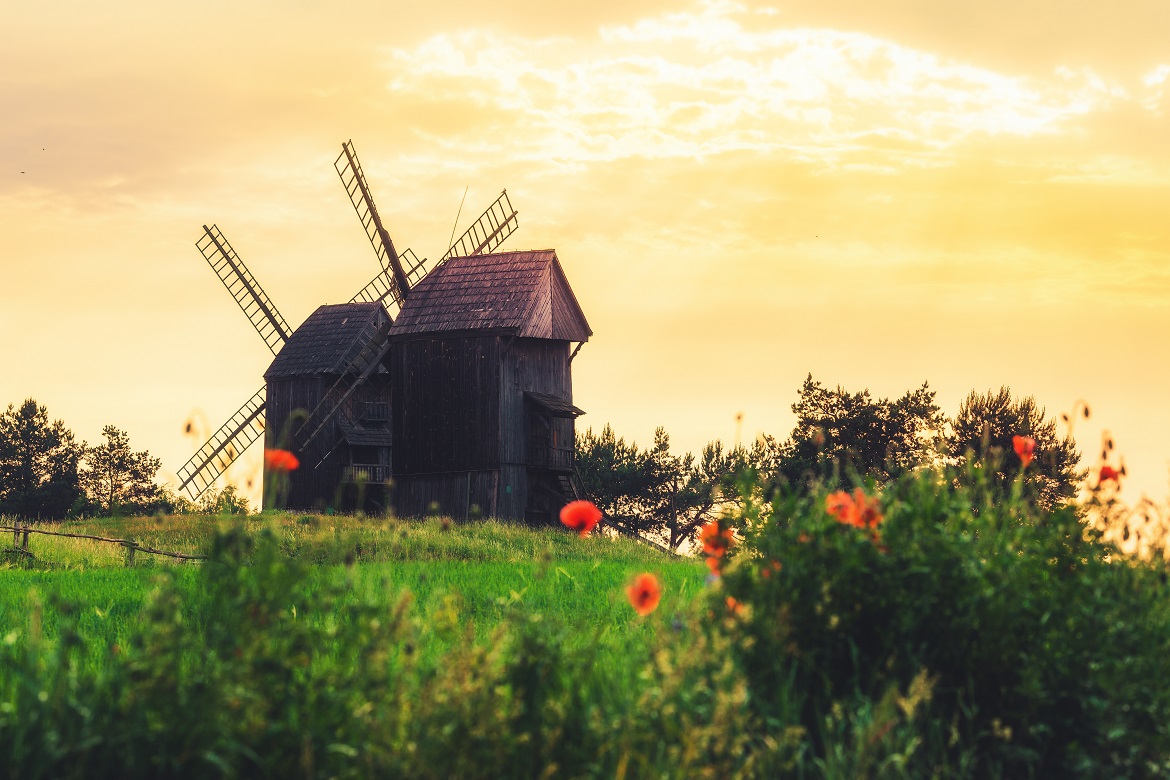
[(483, 570), (935, 627)]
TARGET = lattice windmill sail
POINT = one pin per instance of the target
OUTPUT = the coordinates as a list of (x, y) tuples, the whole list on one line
[(359, 336)]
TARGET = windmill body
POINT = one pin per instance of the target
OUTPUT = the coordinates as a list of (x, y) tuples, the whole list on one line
[(355, 440), (480, 370), (464, 403)]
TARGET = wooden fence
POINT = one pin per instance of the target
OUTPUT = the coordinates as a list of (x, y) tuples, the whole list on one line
[(20, 533)]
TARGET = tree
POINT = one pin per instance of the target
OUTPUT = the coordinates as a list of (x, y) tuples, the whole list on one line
[(38, 464), (654, 492), (841, 432), (686, 493), (116, 478), (982, 431), (615, 476)]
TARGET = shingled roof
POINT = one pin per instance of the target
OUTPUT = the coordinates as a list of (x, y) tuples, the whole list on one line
[(328, 341), (516, 293)]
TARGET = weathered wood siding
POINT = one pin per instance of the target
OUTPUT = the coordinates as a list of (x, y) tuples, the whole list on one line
[(534, 365), (462, 495), (313, 487), (446, 405), (513, 493), (309, 488)]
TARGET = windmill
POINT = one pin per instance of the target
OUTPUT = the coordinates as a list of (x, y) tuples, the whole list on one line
[(344, 345)]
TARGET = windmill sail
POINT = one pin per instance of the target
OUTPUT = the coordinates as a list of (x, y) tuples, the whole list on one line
[(370, 349), (367, 354), (488, 232), (354, 181), (244, 288), (382, 286), (228, 443)]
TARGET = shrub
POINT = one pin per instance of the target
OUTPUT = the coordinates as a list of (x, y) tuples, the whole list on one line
[(1044, 650)]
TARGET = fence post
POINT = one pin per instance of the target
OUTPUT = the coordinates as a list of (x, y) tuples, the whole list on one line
[(130, 553), (24, 541), (15, 534)]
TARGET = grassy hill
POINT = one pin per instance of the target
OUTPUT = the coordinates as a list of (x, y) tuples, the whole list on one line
[(471, 573)]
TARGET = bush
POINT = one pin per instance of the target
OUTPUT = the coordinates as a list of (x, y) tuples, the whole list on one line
[(1042, 650)]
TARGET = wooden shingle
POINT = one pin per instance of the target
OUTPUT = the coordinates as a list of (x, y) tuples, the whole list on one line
[(514, 293), (327, 342)]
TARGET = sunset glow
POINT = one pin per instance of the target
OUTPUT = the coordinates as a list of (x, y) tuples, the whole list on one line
[(739, 194)]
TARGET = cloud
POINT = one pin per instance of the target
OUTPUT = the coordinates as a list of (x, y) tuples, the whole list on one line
[(700, 83)]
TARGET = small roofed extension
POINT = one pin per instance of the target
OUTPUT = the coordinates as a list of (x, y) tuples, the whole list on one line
[(480, 370), (351, 453)]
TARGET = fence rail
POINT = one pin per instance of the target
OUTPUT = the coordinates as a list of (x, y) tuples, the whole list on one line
[(21, 531)]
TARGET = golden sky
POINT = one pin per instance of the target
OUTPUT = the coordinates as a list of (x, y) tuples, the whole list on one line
[(876, 193)]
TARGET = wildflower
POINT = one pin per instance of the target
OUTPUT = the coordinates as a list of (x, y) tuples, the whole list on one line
[(644, 593), (280, 460), (857, 510), (1109, 473), (581, 516), (733, 606), (1024, 447), (716, 541)]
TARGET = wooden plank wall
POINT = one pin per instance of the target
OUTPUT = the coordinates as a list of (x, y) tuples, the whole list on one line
[(511, 503), (460, 495), (446, 405), (313, 487), (309, 488), (534, 365)]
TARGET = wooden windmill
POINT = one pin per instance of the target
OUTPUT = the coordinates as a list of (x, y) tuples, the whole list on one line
[(327, 394)]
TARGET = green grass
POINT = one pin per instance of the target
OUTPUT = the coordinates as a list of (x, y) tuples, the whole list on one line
[(476, 572), (329, 539)]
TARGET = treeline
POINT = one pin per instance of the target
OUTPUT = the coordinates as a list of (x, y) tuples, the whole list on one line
[(839, 436), (47, 474)]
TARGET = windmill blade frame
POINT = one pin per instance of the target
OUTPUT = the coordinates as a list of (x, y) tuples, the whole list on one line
[(243, 287), (225, 445), (484, 235), (349, 169), (368, 353), (382, 286)]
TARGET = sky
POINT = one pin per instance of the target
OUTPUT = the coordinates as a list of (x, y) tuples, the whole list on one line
[(741, 194)]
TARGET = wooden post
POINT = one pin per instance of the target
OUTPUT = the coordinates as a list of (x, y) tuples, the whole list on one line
[(15, 534), (24, 541), (130, 553)]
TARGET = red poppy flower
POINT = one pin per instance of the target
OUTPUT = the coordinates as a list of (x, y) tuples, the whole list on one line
[(1024, 447), (644, 593), (733, 606), (280, 460), (841, 506), (716, 540), (581, 516), (1109, 473), (857, 510)]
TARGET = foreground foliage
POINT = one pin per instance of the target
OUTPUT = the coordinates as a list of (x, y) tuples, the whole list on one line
[(926, 630)]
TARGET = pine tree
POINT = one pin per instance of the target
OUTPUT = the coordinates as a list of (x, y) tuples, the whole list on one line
[(116, 478), (38, 464), (983, 431)]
